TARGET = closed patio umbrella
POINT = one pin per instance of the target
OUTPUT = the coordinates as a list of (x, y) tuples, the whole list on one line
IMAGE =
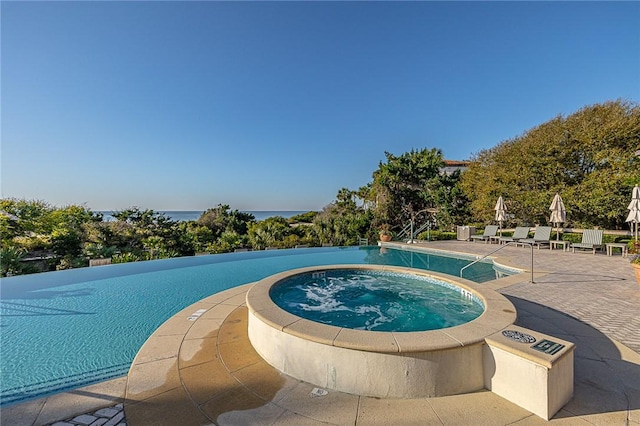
[(634, 210), (501, 212), (558, 213)]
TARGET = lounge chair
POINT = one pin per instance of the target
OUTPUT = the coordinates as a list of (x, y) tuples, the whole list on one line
[(541, 236), (520, 233), (489, 231), (591, 240)]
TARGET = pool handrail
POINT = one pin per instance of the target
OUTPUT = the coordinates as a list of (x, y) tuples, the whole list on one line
[(498, 249)]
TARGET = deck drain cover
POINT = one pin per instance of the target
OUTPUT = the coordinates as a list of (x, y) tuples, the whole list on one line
[(518, 336)]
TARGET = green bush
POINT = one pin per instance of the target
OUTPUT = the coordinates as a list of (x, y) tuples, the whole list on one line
[(125, 257), (72, 262), (572, 237), (436, 236), (11, 262)]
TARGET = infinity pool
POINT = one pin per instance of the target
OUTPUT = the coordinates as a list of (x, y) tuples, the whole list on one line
[(65, 329)]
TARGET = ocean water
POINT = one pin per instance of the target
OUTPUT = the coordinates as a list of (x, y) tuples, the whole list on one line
[(186, 215)]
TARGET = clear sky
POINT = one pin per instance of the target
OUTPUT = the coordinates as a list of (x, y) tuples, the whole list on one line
[(278, 105)]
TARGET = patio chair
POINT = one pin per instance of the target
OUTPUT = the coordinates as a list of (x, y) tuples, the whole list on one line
[(520, 233), (489, 231), (541, 236), (591, 240)]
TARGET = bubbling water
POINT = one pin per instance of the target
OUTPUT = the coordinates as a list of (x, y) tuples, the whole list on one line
[(376, 300)]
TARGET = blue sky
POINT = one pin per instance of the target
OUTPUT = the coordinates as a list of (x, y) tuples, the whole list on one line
[(278, 105)]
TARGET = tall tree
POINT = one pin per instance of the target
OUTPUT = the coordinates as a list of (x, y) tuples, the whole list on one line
[(343, 222), (406, 185), (588, 157)]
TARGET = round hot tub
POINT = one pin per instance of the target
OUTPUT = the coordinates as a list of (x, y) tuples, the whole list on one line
[(376, 330), (366, 299)]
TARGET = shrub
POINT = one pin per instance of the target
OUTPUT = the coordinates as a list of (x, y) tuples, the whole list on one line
[(125, 257), (437, 235)]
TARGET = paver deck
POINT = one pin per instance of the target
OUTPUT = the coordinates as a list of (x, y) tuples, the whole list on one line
[(203, 370)]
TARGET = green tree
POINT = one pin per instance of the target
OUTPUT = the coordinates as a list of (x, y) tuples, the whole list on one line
[(222, 218), (588, 157), (11, 262), (343, 222), (195, 237), (406, 185), (268, 233), (147, 234), (41, 230)]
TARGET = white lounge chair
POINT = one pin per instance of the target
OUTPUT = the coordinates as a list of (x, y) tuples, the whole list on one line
[(489, 231), (520, 233), (541, 237), (591, 240)]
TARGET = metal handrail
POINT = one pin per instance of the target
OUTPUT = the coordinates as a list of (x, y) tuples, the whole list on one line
[(419, 230), (405, 231), (498, 249)]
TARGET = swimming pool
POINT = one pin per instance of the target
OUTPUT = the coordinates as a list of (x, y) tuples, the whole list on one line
[(66, 329)]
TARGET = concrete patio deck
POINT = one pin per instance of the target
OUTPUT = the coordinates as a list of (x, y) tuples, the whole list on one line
[(204, 370)]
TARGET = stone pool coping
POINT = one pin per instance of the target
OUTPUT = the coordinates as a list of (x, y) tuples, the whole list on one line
[(499, 313)]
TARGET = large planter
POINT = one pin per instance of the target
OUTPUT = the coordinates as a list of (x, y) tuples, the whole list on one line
[(385, 237), (636, 268)]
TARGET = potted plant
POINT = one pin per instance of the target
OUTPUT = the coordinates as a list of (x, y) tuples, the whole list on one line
[(635, 264), (385, 233)]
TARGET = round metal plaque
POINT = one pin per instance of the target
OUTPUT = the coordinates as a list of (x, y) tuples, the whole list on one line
[(518, 336)]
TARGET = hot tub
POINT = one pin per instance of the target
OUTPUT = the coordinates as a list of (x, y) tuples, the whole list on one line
[(389, 364)]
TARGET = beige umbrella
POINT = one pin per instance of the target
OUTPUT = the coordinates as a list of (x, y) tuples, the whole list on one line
[(558, 213), (501, 212), (634, 210)]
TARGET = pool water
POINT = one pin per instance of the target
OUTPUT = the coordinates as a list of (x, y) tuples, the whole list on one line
[(65, 329), (376, 300)]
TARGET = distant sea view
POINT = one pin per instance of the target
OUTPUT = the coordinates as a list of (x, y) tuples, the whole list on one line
[(186, 215)]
